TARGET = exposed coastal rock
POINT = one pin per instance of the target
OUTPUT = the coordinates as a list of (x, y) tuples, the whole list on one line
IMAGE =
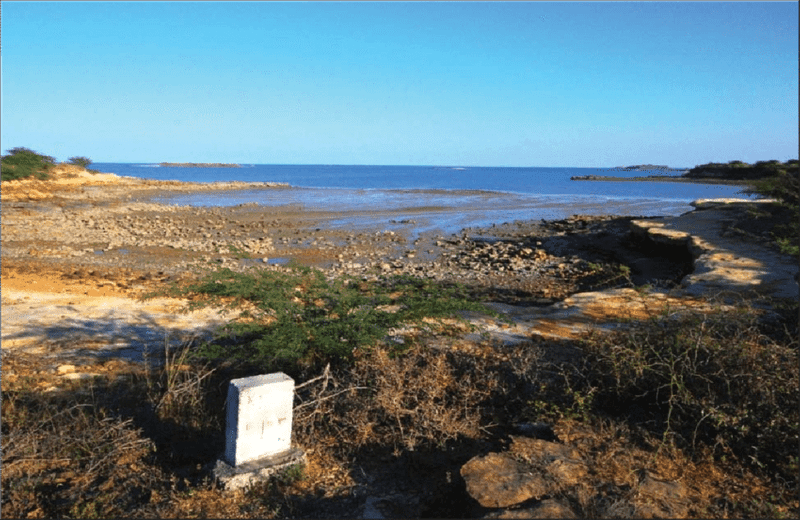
[(723, 263), (661, 178), (646, 167)]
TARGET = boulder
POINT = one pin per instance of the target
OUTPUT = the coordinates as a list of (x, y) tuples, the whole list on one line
[(497, 480)]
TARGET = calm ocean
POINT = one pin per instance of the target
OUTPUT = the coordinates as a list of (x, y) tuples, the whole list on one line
[(455, 196)]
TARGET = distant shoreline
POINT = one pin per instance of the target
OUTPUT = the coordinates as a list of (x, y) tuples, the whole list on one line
[(200, 165), (662, 178)]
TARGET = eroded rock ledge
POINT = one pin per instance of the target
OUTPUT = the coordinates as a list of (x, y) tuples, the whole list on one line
[(723, 262)]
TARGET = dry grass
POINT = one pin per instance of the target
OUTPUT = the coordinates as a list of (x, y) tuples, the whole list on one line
[(136, 443), (419, 399)]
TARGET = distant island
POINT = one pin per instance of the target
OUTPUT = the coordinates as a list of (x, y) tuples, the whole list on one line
[(646, 167), (200, 165)]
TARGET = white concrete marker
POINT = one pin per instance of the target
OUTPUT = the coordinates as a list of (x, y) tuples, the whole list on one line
[(258, 433), (259, 418)]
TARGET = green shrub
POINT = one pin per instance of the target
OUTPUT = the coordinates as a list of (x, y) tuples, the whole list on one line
[(784, 186), (739, 170), (23, 162), (297, 317)]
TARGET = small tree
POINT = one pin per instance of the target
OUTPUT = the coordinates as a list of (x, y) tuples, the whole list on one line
[(83, 162)]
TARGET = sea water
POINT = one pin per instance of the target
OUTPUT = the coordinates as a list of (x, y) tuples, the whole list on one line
[(443, 197)]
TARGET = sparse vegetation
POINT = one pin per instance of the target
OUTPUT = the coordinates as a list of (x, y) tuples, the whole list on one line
[(687, 392), (23, 163), (717, 380)]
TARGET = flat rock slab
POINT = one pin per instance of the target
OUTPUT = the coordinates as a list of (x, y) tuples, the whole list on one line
[(575, 315), (497, 480)]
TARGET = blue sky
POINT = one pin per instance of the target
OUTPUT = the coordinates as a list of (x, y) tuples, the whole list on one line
[(452, 83)]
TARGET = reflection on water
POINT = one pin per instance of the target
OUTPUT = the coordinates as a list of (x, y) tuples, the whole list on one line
[(445, 210)]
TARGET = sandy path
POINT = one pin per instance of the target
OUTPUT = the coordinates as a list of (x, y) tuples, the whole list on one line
[(83, 323)]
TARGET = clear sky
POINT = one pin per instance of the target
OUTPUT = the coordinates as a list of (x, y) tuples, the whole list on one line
[(419, 83)]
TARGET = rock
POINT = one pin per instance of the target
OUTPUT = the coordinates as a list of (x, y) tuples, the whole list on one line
[(721, 263), (563, 463), (567, 472), (497, 480), (501, 480)]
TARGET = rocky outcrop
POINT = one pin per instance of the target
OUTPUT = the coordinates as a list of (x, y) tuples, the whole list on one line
[(723, 263)]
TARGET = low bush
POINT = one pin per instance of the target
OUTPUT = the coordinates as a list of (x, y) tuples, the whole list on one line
[(21, 163), (422, 399), (68, 457), (298, 318)]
